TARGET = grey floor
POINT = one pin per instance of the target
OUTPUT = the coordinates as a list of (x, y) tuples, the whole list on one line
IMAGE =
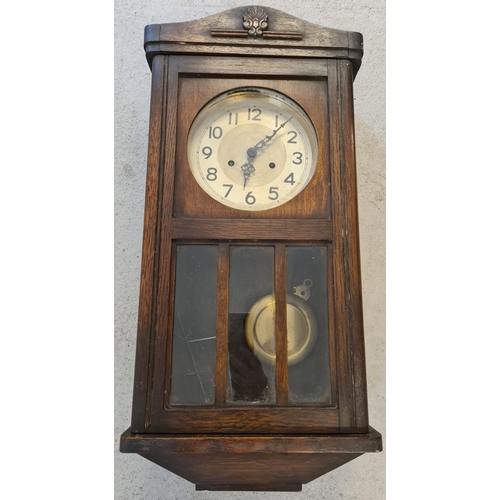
[(135, 477)]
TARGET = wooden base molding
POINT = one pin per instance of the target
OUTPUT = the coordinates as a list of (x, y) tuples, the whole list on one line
[(250, 462)]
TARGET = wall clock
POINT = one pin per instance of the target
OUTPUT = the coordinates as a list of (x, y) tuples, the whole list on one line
[(250, 370)]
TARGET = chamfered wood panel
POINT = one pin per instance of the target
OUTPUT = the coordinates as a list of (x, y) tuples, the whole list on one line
[(250, 461), (247, 229), (348, 313), (250, 443), (162, 317), (240, 419), (246, 51), (354, 305), (191, 201), (341, 345), (258, 471), (249, 67), (148, 284)]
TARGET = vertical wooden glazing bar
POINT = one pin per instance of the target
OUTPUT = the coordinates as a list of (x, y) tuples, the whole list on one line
[(281, 325), (337, 162), (165, 247), (170, 327), (145, 330), (222, 325), (331, 331), (354, 305)]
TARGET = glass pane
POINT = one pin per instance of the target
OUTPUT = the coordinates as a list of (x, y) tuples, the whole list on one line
[(193, 348), (251, 371), (307, 325)]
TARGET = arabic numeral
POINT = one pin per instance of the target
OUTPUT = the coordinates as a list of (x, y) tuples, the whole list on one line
[(273, 191), (231, 115), (292, 139), (299, 158), (207, 152), (215, 132), (212, 174), (230, 186), (250, 198), (255, 112), (290, 180)]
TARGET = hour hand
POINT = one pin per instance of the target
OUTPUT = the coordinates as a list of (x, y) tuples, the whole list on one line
[(248, 169)]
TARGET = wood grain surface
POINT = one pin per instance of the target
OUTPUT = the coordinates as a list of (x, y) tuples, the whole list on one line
[(195, 37), (191, 201), (148, 284), (178, 210), (250, 462)]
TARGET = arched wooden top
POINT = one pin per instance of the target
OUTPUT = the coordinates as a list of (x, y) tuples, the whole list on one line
[(253, 31)]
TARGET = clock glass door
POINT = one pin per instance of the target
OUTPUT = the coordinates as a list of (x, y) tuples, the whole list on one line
[(244, 333), (247, 331)]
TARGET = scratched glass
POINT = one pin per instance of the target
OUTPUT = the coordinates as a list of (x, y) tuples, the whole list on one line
[(307, 325), (251, 340), (193, 349)]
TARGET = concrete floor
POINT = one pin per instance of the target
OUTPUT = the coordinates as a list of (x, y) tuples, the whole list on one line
[(135, 477)]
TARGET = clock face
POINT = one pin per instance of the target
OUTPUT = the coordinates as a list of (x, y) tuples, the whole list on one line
[(252, 149)]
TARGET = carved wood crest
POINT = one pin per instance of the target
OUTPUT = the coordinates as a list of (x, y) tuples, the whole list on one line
[(255, 21), (255, 24)]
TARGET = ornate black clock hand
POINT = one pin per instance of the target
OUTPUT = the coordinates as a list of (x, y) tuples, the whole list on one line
[(253, 151), (248, 168)]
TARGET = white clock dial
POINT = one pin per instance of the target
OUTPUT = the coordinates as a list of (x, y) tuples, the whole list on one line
[(252, 149)]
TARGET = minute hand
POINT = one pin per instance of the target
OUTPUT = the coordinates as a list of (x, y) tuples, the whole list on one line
[(269, 138)]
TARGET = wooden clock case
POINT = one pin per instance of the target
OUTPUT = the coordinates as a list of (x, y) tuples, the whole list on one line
[(230, 447)]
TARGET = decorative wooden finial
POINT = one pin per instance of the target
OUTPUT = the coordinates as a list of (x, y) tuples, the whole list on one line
[(255, 24), (255, 21)]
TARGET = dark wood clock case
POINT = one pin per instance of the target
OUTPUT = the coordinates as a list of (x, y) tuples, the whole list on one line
[(250, 447)]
